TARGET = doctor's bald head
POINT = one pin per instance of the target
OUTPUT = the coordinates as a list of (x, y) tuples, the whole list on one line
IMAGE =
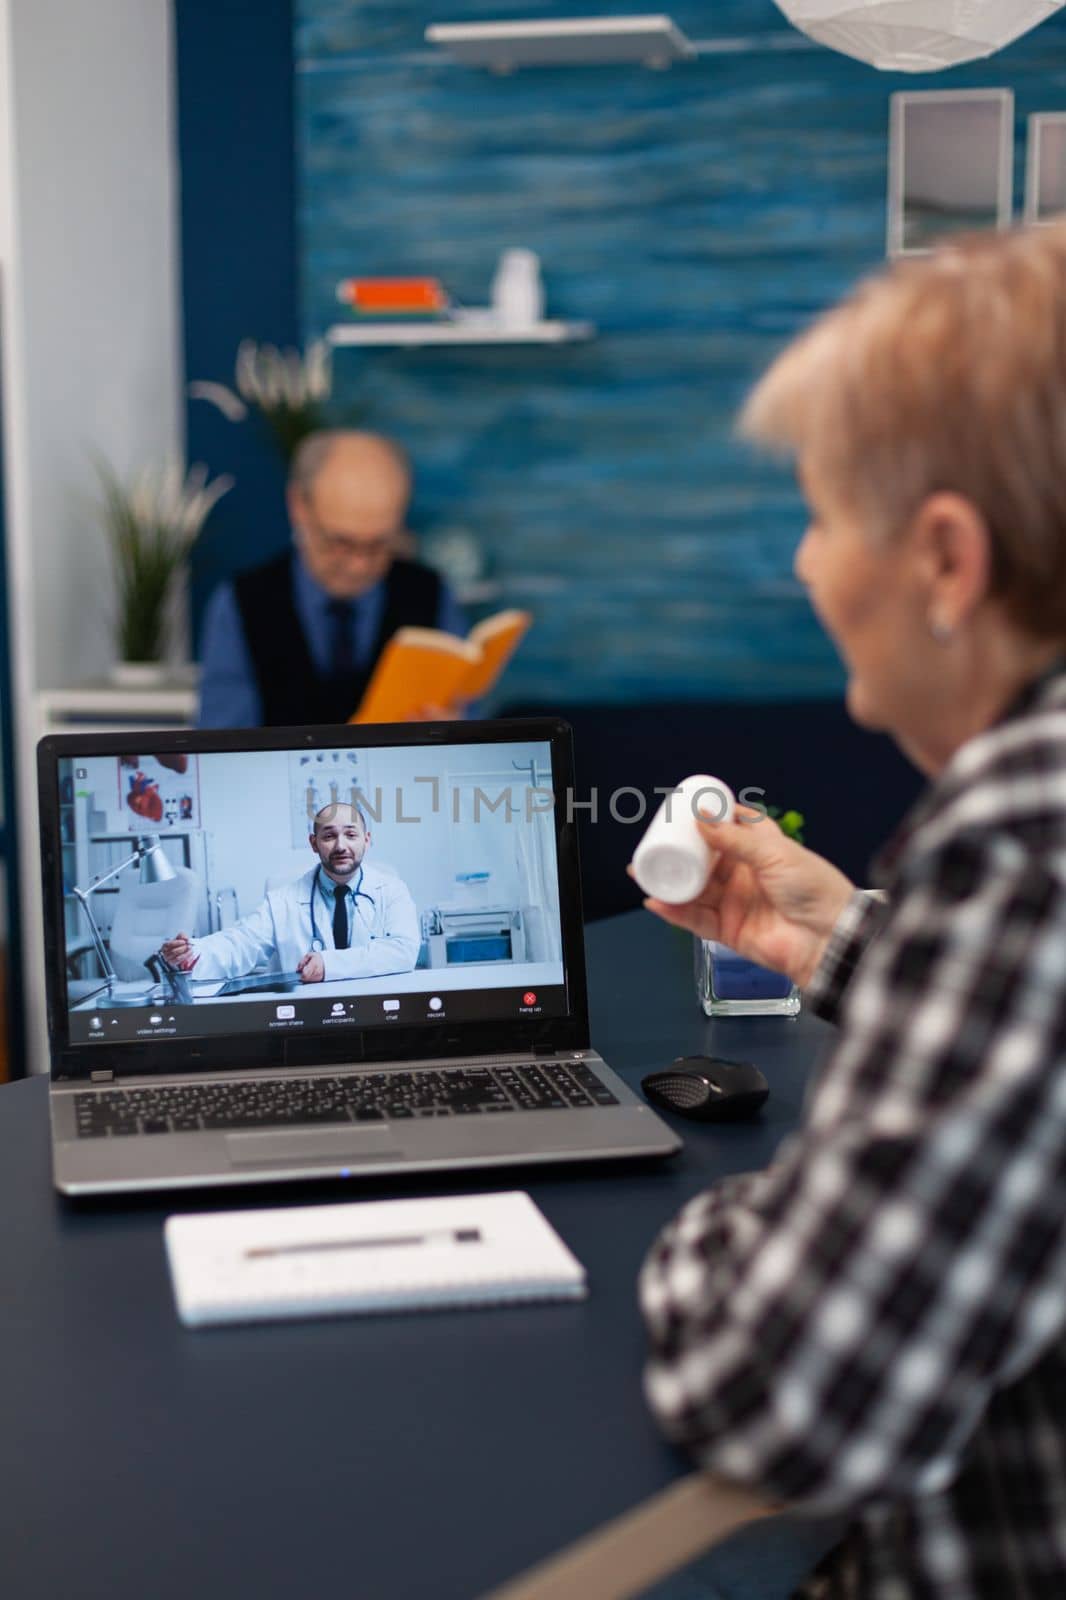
[(348, 495), (339, 837)]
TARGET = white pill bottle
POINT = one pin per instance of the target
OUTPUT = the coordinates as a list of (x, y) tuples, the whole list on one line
[(672, 862)]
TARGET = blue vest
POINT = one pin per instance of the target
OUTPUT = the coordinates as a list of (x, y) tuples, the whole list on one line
[(291, 689)]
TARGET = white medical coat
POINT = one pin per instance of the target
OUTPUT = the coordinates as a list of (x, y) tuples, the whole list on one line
[(275, 936)]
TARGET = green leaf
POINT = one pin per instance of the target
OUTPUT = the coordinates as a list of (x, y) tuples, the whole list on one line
[(150, 541), (791, 823)]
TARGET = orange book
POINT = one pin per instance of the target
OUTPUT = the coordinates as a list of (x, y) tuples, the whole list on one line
[(427, 667), (378, 297)]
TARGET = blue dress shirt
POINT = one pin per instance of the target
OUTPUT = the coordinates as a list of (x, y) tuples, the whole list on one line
[(229, 697)]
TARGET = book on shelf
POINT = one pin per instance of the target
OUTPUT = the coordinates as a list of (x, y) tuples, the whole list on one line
[(427, 667), (369, 298)]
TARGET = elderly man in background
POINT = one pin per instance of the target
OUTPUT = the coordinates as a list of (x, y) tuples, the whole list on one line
[(296, 640)]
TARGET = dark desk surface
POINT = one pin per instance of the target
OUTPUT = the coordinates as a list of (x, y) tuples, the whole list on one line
[(427, 1456)]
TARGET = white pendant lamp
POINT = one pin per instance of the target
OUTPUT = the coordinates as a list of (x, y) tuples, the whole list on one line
[(917, 35)]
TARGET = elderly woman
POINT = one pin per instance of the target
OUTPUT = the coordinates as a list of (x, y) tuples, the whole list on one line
[(876, 1325)]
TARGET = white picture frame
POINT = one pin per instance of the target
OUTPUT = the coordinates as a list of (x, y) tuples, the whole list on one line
[(950, 166), (1045, 168)]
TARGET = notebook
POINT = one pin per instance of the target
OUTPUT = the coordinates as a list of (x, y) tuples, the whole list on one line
[(384, 1255), (336, 952)]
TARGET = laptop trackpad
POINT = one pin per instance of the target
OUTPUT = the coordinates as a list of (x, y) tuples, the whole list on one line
[(309, 1144)]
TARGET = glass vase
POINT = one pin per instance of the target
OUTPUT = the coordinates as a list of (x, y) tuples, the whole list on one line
[(729, 986)]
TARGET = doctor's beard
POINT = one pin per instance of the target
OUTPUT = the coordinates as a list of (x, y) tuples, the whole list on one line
[(341, 864)]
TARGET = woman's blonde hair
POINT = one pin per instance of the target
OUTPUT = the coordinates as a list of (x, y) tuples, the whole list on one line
[(945, 372)]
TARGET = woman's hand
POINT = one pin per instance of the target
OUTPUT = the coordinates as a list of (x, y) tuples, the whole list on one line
[(767, 898)]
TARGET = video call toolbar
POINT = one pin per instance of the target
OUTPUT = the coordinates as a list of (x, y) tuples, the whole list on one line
[(285, 1014)]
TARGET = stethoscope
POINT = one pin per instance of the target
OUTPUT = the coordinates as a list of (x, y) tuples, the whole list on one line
[(358, 893)]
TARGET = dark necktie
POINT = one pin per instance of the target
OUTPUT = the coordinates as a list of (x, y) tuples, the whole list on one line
[(341, 657), (340, 916)]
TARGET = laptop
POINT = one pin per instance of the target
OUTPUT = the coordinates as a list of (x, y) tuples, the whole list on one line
[(281, 954)]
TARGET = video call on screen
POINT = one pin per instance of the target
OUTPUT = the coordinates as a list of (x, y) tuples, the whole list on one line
[(322, 889)]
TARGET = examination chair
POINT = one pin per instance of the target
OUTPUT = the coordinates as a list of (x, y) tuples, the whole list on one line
[(148, 913)]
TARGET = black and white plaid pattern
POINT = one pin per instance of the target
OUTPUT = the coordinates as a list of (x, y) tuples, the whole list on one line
[(876, 1324)]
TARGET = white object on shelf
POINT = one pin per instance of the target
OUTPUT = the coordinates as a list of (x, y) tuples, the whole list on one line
[(902, 36), (456, 554), (651, 41), (518, 289), (480, 326)]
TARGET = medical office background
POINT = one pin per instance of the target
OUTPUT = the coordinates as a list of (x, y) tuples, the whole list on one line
[(175, 177)]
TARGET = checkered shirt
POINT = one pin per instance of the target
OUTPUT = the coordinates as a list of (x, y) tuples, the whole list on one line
[(876, 1324)]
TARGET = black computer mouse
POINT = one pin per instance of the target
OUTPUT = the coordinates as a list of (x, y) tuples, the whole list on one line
[(708, 1088)]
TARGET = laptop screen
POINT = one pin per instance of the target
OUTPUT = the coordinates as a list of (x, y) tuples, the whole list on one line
[(306, 890)]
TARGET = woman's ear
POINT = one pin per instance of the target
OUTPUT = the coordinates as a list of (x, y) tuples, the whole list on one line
[(952, 551)]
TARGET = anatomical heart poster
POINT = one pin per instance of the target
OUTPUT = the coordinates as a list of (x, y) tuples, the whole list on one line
[(159, 791)]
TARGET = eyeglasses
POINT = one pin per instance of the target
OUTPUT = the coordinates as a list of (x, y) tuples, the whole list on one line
[(345, 547)]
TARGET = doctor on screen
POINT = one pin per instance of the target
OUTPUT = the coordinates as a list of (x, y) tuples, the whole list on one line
[(345, 918)]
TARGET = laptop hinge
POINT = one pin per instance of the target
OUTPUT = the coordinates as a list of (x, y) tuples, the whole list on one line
[(104, 1076), (544, 1050)]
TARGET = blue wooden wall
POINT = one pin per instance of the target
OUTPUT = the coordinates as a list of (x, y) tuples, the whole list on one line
[(239, 265), (699, 216)]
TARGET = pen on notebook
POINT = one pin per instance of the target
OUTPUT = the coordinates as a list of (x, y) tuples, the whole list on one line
[(384, 1241)]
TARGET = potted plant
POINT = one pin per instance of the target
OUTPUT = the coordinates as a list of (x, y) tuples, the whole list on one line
[(151, 524), (286, 390)]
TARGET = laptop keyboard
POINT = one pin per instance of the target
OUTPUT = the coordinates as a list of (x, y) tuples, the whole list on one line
[(355, 1097)]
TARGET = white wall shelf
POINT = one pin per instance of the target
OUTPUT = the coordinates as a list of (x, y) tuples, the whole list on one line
[(102, 707), (650, 41), (465, 327)]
